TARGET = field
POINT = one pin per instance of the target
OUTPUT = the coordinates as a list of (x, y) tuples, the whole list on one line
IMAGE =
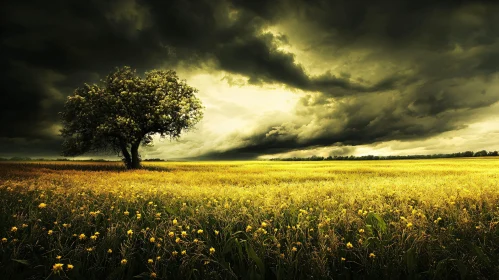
[(408, 219)]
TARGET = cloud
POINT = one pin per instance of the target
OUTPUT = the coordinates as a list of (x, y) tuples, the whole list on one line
[(364, 72)]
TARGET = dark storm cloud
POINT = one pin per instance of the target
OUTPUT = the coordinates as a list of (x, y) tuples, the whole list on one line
[(449, 47), (49, 48)]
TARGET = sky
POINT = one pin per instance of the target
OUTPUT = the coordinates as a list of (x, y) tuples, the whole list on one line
[(277, 78)]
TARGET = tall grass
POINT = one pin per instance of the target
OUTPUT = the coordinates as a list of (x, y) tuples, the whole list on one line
[(417, 219)]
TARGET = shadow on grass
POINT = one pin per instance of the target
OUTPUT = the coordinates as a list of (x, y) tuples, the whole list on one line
[(80, 166)]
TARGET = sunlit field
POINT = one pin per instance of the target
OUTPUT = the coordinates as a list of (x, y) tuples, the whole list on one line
[(419, 219)]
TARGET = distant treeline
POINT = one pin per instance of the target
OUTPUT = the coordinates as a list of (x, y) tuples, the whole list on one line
[(45, 159), (482, 153), (66, 159)]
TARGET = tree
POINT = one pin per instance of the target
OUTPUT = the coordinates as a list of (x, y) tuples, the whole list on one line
[(125, 111)]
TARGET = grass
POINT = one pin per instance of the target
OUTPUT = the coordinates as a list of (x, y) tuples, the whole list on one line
[(408, 219)]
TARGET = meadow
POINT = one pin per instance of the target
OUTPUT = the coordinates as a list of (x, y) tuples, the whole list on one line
[(406, 219)]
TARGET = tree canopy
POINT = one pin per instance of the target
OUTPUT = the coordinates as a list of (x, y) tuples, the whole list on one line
[(126, 110)]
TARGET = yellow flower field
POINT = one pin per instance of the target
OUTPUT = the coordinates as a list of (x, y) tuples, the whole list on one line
[(415, 219)]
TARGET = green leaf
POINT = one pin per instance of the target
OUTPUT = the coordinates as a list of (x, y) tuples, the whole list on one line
[(25, 262), (410, 259), (252, 254), (377, 222)]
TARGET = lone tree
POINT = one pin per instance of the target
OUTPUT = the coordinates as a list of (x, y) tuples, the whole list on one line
[(126, 111)]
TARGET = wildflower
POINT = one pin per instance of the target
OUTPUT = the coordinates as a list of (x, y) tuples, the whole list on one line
[(343, 259), (174, 253), (126, 213), (24, 225), (184, 252), (184, 234), (361, 230), (150, 261), (349, 245), (216, 232), (50, 232), (82, 236), (171, 234), (93, 237), (150, 203), (158, 258), (13, 229), (70, 266), (4, 240), (109, 251), (294, 249), (129, 232), (264, 224), (139, 216), (57, 267), (97, 233), (195, 240), (65, 225), (372, 256), (123, 261), (175, 222), (409, 225), (152, 239), (200, 231), (90, 249), (248, 228), (153, 275), (42, 205), (58, 257), (177, 240)]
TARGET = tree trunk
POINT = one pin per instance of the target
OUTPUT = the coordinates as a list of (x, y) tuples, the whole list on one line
[(135, 156), (126, 157)]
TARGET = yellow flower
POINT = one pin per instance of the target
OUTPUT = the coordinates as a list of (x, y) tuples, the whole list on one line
[(129, 232), (82, 236), (4, 240), (90, 249), (372, 255), (294, 249), (153, 275), (152, 239), (212, 251), (126, 213), (97, 233), (200, 231), (171, 234), (349, 245), (216, 232), (150, 261), (409, 225), (175, 222), (42, 205), (184, 252), (139, 216), (174, 253), (93, 237), (195, 240), (343, 259), (158, 258), (13, 229), (109, 251), (361, 230), (264, 224), (123, 261), (58, 257), (177, 240), (184, 234), (50, 232), (70, 266), (57, 267), (248, 228)]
